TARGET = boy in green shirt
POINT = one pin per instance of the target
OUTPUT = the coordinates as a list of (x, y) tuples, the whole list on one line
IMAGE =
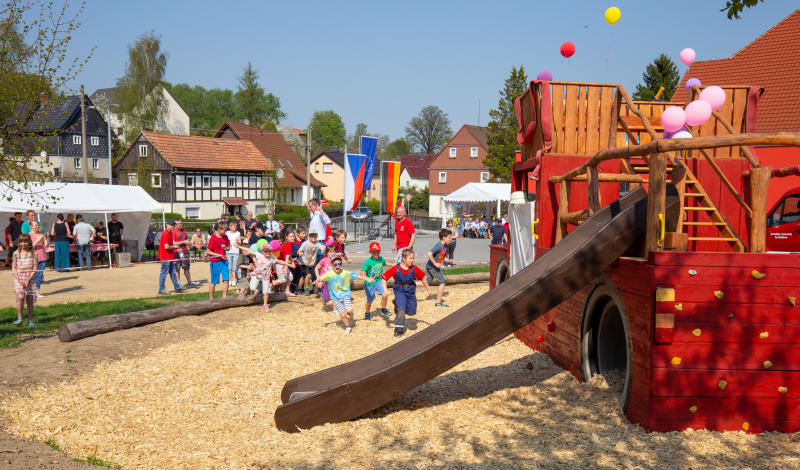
[(373, 267)]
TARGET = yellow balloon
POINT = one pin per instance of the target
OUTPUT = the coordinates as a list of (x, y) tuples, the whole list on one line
[(613, 15)]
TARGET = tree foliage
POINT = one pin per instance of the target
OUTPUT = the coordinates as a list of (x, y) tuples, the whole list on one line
[(253, 103), (139, 93), (327, 131), (502, 129), (661, 72), (35, 68), (734, 7), (430, 129), (207, 109), (396, 149)]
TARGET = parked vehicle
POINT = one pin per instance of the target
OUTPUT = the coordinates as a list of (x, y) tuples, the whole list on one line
[(783, 223), (362, 212)]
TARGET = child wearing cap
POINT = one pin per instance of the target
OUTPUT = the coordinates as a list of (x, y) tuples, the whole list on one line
[(261, 274), (283, 273), (339, 289), (406, 278), (373, 267)]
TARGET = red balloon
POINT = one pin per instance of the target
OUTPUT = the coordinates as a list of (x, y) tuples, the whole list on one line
[(567, 49)]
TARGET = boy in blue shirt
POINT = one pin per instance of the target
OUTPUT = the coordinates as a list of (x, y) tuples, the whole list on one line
[(436, 258), (339, 289)]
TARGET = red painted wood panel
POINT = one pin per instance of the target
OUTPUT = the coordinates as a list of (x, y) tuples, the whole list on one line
[(728, 408), (721, 332), (739, 383), (748, 295), (724, 275), (754, 426), (719, 313), (726, 356), (692, 259)]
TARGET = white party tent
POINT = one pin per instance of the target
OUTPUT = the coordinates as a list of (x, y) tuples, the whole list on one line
[(474, 193), (92, 201)]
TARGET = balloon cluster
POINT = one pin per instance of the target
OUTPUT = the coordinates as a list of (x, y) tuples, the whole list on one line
[(612, 16), (674, 119)]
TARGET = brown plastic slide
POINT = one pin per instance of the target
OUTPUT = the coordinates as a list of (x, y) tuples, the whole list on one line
[(350, 390)]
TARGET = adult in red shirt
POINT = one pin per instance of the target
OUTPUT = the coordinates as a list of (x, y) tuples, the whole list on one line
[(217, 246), (166, 253), (404, 234), (181, 240)]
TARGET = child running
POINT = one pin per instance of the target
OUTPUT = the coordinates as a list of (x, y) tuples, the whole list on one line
[(262, 273), (217, 246), (339, 289), (436, 258), (323, 267), (406, 278), (23, 267), (373, 267), (307, 254), (341, 237)]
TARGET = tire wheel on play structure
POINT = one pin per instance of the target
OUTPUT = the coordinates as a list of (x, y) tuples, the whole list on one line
[(606, 346), (502, 273)]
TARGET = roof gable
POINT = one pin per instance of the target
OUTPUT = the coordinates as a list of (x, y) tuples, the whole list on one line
[(207, 153), (467, 133), (417, 165), (772, 61)]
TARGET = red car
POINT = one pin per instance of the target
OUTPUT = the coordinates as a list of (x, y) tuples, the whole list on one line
[(783, 223)]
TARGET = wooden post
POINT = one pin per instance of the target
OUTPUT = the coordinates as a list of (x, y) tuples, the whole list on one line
[(563, 209), (759, 182), (594, 190), (656, 200)]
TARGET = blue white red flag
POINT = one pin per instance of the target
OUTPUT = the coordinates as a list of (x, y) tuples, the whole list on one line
[(353, 179)]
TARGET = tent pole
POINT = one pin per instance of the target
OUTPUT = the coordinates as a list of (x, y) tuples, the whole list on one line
[(108, 240), (498, 208)]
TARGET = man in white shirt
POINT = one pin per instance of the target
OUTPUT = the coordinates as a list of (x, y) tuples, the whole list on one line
[(84, 233), (271, 228), (319, 219)]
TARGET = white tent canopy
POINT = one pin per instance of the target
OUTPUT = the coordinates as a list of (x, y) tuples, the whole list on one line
[(487, 193), (92, 201)]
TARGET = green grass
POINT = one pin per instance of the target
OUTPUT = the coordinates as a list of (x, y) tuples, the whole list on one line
[(92, 460), (467, 270), (49, 318)]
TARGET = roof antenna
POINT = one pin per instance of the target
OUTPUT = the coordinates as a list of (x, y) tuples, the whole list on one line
[(479, 112)]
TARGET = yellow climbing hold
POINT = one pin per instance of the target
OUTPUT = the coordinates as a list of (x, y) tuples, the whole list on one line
[(675, 361), (693, 409), (757, 275), (767, 364), (722, 384), (665, 294), (745, 425), (764, 335), (783, 389), (697, 332), (678, 307), (719, 294), (793, 301)]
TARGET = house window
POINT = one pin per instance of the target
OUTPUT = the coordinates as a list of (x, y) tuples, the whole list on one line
[(231, 181), (473, 152), (155, 180), (206, 181), (192, 212), (484, 176), (76, 139), (253, 182), (94, 141), (142, 150), (133, 180), (327, 167), (76, 162), (190, 181), (452, 152), (443, 177), (316, 168), (95, 163)]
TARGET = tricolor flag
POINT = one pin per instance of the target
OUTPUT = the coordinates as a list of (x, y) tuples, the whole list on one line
[(369, 146), (353, 179), (391, 183)]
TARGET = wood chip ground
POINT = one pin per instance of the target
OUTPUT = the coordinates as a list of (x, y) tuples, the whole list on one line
[(209, 403)]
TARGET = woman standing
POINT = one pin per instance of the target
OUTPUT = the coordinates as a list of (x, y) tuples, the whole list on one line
[(60, 233), (40, 244)]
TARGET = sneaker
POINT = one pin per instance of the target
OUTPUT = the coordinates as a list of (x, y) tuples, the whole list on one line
[(348, 330), (385, 311), (163, 292), (441, 304), (398, 332), (367, 316), (18, 321), (30, 323), (191, 285), (39, 295), (180, 289)]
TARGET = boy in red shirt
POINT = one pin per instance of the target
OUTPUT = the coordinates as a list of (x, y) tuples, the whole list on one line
[(166, 253), (217, 246), (406, 278)]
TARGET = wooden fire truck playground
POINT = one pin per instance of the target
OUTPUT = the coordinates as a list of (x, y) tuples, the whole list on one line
[(702, 322)]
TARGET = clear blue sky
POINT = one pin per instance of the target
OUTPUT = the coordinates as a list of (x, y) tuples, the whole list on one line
[(380, 62)]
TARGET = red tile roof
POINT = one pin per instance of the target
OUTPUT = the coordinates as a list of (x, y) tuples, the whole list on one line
[(773, 61), (196, 152), (417, 165), (273, 145), (479, 133)]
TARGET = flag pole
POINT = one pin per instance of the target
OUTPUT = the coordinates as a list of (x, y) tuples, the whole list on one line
[(344, 200)]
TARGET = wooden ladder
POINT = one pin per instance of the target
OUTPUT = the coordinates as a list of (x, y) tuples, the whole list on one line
[(696, 199)]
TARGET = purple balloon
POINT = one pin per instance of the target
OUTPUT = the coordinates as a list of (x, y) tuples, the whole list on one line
[(545, 75), (692, 82), (668, 134)]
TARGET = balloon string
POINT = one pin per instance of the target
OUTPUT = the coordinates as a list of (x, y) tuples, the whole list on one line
[(608, 55)]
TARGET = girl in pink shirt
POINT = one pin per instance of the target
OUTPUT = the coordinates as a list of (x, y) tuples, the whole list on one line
[(324, 266)]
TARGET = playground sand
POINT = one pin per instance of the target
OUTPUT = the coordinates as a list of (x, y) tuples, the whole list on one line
[(209, 403)]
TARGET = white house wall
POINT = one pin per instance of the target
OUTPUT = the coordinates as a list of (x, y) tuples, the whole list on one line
[(407, 181)]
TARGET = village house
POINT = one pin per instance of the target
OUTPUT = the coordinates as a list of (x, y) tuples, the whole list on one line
[(328, 167), (290, 171), (458, 163), (414, 170), (172, 120), (57, 127), (199, 177)]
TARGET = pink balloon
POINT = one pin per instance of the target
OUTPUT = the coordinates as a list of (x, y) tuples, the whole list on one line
[(673, 118), (713, 95), (697, 112), (687, 56)]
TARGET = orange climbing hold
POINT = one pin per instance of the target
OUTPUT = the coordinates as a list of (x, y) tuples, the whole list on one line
[(783, 389), (757, 275), (719, 294), (745, 426), (722, 384), (764, 335), (675, 361), (793, 301)]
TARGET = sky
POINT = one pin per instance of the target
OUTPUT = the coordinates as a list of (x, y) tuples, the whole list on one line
[(381, 62)]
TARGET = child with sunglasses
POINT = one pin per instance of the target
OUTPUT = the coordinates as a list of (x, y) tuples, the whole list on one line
[(339, 289)]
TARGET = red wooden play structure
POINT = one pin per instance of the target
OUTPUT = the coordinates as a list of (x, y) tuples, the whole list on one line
[(700, 321)]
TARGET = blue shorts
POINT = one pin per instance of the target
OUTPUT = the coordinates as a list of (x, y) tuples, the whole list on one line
[(373, 290), (405, 302), (219, 268)]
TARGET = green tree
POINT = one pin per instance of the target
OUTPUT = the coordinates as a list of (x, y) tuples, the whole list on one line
[(430, 129), (139, 93), (207, 109), (734, 7), (396, 149), (35, 68), (502, 129), (327, 132), (662, 72), (253, 103), (354, 141)]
